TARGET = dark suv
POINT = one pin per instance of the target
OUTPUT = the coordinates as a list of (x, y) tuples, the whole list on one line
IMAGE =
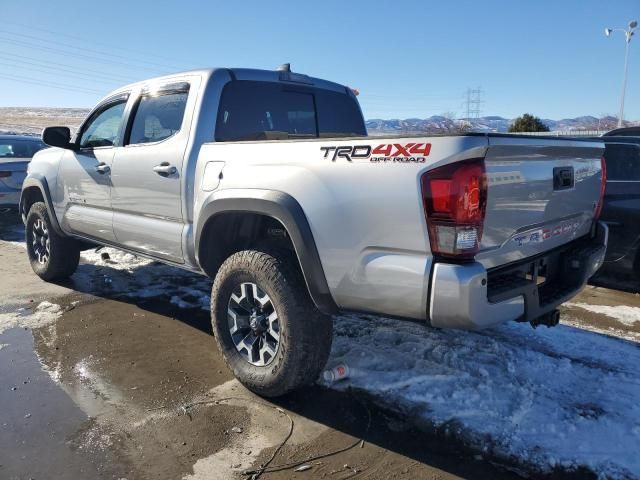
[(621, 211)]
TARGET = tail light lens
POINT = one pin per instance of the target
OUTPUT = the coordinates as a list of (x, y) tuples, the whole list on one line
[(455, 200), (603, 186), (5, 174)]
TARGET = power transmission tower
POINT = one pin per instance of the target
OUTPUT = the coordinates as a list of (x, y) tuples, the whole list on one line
[(473, 101)]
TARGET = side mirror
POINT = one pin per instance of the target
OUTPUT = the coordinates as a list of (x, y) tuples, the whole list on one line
[(57, 137)]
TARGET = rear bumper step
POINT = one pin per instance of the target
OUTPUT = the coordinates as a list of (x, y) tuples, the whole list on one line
[(470, 297)]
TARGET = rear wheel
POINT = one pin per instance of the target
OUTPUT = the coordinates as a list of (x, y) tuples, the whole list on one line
[(269, 331), (52, 256)]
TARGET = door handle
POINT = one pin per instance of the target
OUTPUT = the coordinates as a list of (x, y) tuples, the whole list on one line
[(103, 168), (165, 169)]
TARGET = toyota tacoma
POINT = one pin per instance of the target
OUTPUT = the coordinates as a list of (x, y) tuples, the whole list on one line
[(267, 182)]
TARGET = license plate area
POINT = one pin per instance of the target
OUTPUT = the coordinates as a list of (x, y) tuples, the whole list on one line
[(544, 280)]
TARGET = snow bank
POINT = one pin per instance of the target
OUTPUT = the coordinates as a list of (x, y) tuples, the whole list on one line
[(547, 397)]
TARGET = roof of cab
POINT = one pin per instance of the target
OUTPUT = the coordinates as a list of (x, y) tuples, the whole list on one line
[(237, 73)]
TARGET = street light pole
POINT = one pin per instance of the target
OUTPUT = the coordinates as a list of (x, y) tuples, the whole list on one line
[(628, 33)]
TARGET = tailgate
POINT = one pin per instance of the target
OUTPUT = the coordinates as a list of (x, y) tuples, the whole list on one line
[(542, 193)]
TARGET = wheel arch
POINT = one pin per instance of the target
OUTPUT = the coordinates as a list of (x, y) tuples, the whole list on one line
[(281, 208), (35, 188)]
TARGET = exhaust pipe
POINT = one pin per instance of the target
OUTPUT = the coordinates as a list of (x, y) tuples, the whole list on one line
[(550, 319)]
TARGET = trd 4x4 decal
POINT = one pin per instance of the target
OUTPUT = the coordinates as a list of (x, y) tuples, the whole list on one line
[(385, 152)]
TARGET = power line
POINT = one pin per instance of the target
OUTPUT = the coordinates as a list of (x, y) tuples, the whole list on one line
[(62, 66), (85, 40), (45, 69), (58, 51), (83, 49), (56, 85)]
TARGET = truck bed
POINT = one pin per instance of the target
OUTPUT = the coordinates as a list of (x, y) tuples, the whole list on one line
[(367, 215)]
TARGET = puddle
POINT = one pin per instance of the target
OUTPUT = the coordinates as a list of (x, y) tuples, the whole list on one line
[(39, 422)]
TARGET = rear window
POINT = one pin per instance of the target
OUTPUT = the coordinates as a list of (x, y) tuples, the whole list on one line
[(19, 148), (623, 162), (158, 117), (272, 111)]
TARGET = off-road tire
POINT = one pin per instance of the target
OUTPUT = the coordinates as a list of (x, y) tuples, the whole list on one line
[(305, 333), (64, 252)]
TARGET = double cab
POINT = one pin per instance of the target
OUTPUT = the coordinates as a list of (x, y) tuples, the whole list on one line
[(267, 182)]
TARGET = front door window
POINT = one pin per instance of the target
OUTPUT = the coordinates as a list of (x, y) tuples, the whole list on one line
[(102, 130)]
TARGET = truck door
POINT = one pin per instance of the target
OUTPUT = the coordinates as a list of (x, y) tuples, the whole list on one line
[(147, 174), (85, 173)]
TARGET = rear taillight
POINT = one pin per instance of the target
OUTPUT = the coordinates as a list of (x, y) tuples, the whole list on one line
[(5, 174), (455, 200), (603, 186)]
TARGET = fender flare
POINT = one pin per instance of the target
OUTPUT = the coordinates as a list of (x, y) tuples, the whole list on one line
[(40, 182), (285, 209)]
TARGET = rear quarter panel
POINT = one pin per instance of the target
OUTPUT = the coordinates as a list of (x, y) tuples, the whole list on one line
[(367, 218)]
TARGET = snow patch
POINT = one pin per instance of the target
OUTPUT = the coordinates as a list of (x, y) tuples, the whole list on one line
[(116, 272), (622, 313), (44, 314), (549, 397)]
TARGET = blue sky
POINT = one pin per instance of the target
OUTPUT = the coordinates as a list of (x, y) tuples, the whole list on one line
[(409, 58)]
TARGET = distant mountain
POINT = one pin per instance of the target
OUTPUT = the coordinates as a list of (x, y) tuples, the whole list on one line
[(440, 124), (32, 120)]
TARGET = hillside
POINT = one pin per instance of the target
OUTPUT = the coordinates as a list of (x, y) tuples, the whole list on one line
[(33, 120)]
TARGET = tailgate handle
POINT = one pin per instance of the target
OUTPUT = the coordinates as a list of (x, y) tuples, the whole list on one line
[(562, 178)]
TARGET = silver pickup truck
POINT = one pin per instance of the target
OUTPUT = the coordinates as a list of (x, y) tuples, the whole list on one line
[(266, 182)]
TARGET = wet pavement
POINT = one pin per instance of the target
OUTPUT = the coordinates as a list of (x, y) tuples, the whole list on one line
[(39, 421), (118, 385)]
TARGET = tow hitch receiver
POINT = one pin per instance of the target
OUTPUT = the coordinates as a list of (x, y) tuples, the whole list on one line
[(550, 319)]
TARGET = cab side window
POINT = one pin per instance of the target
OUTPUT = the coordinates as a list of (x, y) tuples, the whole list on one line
[(103, 128), (158, 117)]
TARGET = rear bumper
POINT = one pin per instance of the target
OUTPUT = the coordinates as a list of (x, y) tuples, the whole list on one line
[(470, 297)]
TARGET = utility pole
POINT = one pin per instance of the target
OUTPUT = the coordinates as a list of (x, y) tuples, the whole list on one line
[(628, 33)]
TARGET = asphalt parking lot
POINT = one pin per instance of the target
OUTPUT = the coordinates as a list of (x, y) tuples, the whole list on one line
[(115, 375)]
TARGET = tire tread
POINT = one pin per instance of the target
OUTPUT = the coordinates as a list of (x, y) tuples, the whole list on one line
[(308, 336)]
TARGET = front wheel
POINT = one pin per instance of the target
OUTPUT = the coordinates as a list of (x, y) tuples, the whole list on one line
[(269, 331), (52, 256)]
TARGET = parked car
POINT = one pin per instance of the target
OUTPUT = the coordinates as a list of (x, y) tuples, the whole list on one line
[(15, 154), (621, 210), (266, 182)]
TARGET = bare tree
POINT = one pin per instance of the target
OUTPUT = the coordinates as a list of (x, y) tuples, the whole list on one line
[(606, 122)]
